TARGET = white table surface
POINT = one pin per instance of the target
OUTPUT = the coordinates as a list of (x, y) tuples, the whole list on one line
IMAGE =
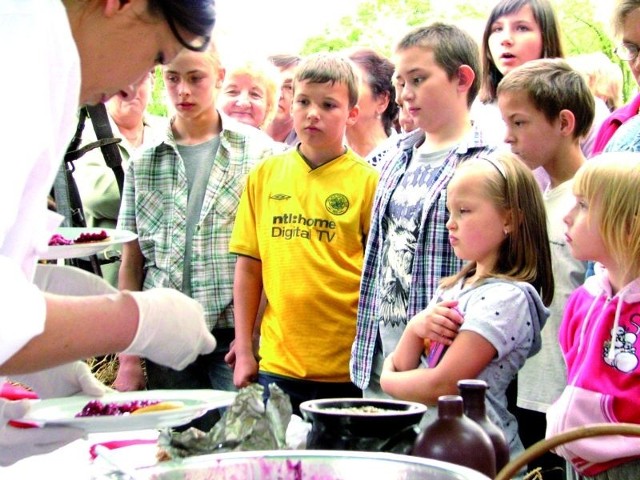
[(73, 461)]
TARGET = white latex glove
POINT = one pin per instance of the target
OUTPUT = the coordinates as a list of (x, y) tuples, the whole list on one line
[(66, 280), (171, 329), (63, 381), (18, 443)]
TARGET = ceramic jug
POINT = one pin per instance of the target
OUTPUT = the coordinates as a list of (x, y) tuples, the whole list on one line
[(455, 438), (473, 393)]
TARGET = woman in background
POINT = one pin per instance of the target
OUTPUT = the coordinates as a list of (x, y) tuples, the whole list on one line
[(604, 78), (281, 127), (96, 181), (250, 92), (378, 110), (621, 130)]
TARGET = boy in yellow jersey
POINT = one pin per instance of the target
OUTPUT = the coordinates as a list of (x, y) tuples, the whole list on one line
[(299, 235)]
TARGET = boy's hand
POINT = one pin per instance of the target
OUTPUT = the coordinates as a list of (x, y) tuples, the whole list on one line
[(245, 370), (230, 357), (130, 376), (440, 323)]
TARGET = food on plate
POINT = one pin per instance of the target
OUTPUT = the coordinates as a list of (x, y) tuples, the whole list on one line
[(57, 239), (96, 408), (157, 407), (87, 237)]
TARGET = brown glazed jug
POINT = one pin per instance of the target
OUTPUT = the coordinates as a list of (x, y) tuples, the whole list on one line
[(455, 438), (473, 393)]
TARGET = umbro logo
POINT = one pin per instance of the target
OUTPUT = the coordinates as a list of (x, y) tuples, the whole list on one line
[(280, 196)]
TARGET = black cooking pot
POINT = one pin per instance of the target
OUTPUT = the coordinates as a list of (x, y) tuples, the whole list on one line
[(364, 424)]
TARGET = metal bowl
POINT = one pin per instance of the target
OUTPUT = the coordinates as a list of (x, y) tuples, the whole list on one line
[(343, 424), (309, 465)]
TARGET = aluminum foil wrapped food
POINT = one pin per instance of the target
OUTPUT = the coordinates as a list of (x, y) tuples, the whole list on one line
[(247, 424)]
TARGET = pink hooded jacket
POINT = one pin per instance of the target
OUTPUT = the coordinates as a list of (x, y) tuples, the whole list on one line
[(599, 338)]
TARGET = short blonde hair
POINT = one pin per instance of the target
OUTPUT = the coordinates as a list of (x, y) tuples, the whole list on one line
[(609, 183), (265, 74)]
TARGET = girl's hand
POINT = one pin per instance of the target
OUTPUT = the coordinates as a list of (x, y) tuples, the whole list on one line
[(440, 323)]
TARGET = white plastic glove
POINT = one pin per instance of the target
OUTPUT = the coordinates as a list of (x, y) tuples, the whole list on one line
[(67, 280), (171, 329), (18, 443), (63, 381)]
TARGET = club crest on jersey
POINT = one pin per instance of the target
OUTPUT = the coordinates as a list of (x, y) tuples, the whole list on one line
[(337, 204)]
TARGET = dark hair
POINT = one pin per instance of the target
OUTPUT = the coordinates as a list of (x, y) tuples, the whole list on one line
[(452, 47), (544, 16), (194, 16), (552, 86), (379, 77), (284, 60)]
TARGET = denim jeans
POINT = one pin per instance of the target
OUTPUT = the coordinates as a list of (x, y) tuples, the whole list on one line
[(302, 390)]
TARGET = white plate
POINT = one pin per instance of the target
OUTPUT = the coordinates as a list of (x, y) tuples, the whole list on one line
[(62, 411), (85, 249)]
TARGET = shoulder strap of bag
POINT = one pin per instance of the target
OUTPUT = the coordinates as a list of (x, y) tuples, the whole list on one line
[(110, 150), (66, 195)]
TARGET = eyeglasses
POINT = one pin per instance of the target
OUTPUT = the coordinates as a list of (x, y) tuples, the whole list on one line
[(627, 51)]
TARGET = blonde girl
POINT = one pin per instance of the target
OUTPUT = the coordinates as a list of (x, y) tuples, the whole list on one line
[(498, 225), (601, 324)]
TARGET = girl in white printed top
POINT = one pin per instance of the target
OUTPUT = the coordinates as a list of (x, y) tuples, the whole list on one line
[(497, 223)]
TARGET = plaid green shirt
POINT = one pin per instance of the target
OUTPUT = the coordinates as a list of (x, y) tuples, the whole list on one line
[(154, 205)]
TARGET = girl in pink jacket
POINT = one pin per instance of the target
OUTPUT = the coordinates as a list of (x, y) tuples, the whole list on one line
[(601, 325)]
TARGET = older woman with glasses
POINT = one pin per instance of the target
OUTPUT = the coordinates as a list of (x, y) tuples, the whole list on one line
[(626, 26)]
